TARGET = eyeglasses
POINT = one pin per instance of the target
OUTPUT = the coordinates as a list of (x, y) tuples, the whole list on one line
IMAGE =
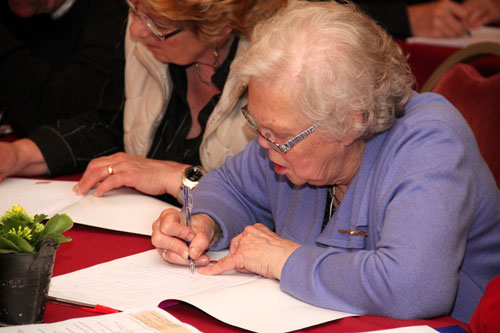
[(284, 148), (148, 21)]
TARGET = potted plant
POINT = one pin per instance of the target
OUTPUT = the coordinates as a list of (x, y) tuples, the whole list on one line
[(27, 249)]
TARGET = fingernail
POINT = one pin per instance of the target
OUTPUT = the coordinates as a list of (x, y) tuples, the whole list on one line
[(185, 254), (203, 261), (195, 253), (76, 189)]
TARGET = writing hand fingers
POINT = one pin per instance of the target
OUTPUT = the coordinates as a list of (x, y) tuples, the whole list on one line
[(174, 258), (169, 233), (450, 19)]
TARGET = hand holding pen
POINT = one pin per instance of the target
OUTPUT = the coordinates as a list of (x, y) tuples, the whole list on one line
[(171, 235), (188, 205)]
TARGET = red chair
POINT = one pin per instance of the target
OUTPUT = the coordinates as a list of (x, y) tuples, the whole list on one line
[(476, 96), (486, 317)]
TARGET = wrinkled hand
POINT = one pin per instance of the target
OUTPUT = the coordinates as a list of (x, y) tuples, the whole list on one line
[(21, 158), (443, 18), (170, 235), (482, 12), (256, 250), (146, 175)]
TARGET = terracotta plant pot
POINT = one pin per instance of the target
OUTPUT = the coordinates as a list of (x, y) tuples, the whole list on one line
[(24, 283)]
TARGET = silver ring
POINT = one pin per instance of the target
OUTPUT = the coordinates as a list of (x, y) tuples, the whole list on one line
[(163, 254), (110, 169)]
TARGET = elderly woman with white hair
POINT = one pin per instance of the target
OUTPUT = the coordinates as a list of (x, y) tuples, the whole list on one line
[(359, 195)]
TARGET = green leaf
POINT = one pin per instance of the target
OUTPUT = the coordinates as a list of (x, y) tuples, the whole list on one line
[(2, 251), (7, 245), (57, 224), (39, 218), (58, 238), (20, 243), (53, 228)]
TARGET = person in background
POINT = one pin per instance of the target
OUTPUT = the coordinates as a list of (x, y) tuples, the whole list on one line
[(423, 18), (56, 56), (359, 195), (179, 116)]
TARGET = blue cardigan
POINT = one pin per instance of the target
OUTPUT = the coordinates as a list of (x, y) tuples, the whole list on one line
[(424, 195)]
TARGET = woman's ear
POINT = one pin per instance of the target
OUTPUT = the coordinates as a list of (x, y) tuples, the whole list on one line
[(356, 128), (228, 31)]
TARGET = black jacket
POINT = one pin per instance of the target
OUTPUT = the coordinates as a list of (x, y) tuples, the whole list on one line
[(54, 69)]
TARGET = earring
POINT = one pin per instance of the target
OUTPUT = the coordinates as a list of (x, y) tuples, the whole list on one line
[(216, 58)]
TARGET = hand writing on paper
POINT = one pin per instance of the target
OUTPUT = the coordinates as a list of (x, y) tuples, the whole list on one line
[(256, 250), (443, 18), (171, 234), (146, 175), (482, 12)]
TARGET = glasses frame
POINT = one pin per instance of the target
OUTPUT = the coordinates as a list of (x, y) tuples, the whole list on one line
[(284, 148), (148, 21)]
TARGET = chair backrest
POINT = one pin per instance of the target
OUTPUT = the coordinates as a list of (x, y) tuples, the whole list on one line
[(486, 317), (477, 97)]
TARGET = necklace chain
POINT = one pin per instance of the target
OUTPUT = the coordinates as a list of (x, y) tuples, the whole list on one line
[(215, 66), (210, 84), (333, 194)]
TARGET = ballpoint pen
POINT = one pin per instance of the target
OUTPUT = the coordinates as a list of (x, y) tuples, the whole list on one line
[(188, 202), (97, 308)]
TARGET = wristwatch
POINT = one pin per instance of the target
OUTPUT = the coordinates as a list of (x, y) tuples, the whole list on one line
[(190, 178)]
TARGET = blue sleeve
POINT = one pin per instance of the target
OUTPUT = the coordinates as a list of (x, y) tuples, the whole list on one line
[(234, 195)]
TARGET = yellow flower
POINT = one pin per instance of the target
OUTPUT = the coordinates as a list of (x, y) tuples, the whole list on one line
[(17, 212), (18, 209)]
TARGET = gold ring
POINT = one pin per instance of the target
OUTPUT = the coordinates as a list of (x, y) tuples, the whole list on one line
[(163, 254), (110, 170)]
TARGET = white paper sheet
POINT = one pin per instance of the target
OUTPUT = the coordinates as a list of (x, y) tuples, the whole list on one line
[(37, 195), (483, 34), (147, 321), (139, 281), (122, 209), (144, 280), (261, 306)]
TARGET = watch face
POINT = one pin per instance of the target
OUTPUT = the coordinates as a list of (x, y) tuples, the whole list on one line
[(194, 174)]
